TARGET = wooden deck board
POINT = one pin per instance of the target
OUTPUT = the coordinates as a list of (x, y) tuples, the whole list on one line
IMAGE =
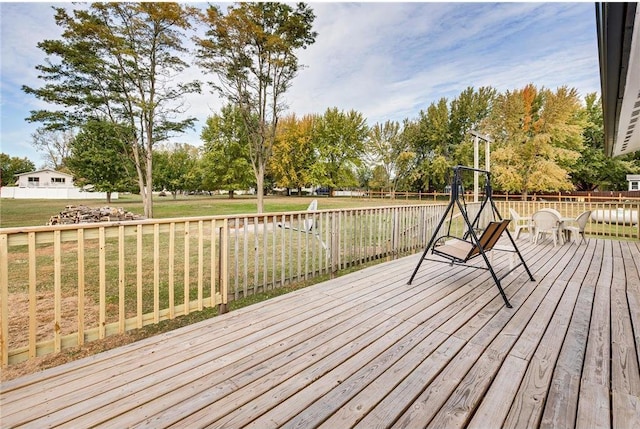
[(368, 350)]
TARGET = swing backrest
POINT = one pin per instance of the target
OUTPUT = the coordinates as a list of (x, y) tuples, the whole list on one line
[(491, 235), (463, 250)]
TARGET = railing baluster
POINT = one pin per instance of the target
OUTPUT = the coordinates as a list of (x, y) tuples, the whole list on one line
[(121, 280), (224, 264), (4, 299), (187, 267), (156, 272), (245, 256), (81, 284), (102, 275), (212, 262), (172, 273), (57, 292), (139, 310), (33, 317), (200, 265)]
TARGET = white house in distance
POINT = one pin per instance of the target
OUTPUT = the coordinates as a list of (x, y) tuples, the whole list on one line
[(634, 182), (49, 184)]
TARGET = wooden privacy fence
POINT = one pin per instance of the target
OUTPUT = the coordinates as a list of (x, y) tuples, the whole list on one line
[(64, 285)]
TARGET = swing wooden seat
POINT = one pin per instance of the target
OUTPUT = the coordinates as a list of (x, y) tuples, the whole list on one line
[(461, 251)]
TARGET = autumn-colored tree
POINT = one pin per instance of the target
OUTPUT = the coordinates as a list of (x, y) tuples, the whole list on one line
[(251, 50), (538, 135), (293, 152)]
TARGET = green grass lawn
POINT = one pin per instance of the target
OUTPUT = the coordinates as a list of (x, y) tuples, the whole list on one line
[(17, 213)]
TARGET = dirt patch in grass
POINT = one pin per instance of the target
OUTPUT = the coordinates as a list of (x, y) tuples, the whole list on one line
[(45, 321)]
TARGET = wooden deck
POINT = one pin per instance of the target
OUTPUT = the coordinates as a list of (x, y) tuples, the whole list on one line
[(367, 350)]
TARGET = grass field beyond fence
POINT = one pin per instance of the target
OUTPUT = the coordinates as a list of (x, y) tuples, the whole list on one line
[(14, 213)]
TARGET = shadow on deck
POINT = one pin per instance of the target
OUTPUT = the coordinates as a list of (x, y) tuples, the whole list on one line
[(368, 350)]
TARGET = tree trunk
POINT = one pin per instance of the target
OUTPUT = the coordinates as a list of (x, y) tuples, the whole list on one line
[(231, 194), (141, 185), (109, 197), (148, 197), (260, 189)]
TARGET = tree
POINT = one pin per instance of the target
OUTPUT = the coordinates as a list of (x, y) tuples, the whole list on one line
[(468, 111), (293, 152), (379, 178), (12, 165), (175, 169), (119, 62), (225, 161), (386, 148), (429, 139), (594, 170), (251, 50), (98, 157), (54, 145), (339, 139), (538, 138)]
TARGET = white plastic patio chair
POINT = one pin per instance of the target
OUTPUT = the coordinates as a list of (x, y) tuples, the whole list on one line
[(577, 232), (545, 222), (520, 223)]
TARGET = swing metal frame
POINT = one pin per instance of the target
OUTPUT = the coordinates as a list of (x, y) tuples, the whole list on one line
[(476, 245)]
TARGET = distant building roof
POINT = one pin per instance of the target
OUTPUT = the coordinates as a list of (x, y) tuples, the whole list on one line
[(30, 173)]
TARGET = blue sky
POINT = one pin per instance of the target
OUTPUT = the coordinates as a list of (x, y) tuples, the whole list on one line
[(385, 60)]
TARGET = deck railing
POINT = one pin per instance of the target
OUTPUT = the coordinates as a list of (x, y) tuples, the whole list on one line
[(65, 285), (62, 286), (608, 219)]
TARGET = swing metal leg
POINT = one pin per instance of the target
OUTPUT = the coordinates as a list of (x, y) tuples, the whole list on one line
[(431, 240), (496, 279)]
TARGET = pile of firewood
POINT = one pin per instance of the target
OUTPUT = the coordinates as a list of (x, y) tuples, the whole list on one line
[(84, 214)]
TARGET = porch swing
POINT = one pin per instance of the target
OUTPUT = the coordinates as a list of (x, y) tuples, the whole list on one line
[(475, 241)]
